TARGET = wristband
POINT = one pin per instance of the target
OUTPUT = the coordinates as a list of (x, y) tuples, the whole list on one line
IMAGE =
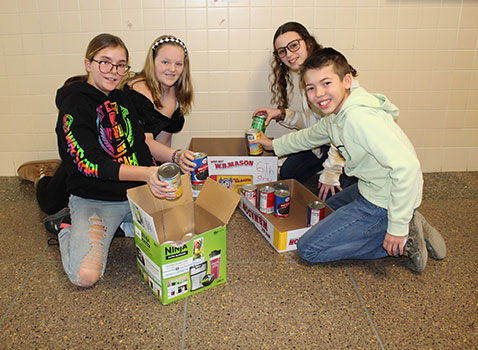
[(176, 155), (282, 112)]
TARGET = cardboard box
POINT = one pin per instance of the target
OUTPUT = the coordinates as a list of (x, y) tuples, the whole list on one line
[(283, 233), (181, 243), (230, 164)]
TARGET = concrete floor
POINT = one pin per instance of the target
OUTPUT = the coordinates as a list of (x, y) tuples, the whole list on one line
[(270, 301)]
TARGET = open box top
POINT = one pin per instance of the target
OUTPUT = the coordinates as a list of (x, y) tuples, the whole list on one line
[(174, 218), (300, 197), (223, 146)]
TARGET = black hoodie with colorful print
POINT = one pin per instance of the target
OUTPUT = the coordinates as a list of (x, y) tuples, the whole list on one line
[(96, 134)]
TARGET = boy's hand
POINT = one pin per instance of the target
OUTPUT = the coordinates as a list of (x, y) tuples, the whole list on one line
[(394, 244), (324, 190), (265, 142), (269, 113)]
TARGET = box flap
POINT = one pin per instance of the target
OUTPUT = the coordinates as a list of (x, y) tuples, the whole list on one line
[(222, 146), (218, 200)]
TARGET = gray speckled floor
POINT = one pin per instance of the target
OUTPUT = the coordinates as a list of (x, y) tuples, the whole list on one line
[(270, 301)]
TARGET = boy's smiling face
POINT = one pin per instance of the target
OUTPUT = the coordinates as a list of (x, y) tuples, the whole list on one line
[(326, 90)]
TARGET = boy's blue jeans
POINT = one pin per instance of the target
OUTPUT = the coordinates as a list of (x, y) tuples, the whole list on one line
[(355, 230), (87, 241)]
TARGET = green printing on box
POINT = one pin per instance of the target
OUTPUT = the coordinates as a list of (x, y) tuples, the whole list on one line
[(181, 244)]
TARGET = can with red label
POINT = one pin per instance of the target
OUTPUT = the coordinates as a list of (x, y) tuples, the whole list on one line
[(250, 192), (281, 203), (266, 199), (315, 212), (200, 172)]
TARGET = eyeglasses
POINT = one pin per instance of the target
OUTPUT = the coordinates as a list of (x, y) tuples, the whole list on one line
[(293, 46), (106, 67)]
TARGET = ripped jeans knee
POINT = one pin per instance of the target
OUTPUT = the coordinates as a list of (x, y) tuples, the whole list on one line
[(84, 246)]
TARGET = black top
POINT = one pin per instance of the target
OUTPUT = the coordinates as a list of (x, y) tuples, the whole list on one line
[(96, 134), (154, 120)]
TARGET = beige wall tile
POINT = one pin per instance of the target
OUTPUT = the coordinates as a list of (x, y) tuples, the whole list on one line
[(473, 159), (422, 55)]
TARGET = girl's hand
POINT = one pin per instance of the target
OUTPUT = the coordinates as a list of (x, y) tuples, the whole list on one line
[(186, 162), (324, 190), (269, 113), (158, 187), (265, 142)]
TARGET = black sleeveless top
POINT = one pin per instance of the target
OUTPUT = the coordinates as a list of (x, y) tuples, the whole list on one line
[(153, 120)]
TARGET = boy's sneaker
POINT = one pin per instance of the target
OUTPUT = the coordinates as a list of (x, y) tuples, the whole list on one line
[(415, 248), (433, 239), (54, 223)]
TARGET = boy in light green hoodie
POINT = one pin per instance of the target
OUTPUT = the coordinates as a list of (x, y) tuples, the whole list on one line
[(376, 217)]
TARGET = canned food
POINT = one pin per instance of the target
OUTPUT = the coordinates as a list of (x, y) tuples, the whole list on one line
[(200, 172), (315, 212), (266, 199), (171, 174), (281, 186), (281, 203), (259, 122), (254, 147), (250, 192)]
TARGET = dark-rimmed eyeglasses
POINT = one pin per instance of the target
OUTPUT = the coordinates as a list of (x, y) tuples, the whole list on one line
[(106, 67), (293, 46)]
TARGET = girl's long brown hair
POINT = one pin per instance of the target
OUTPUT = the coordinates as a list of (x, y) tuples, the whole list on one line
[(280, 79)]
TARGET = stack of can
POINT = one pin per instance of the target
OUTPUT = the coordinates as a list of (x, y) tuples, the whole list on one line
[(275, 200), (200, 172)]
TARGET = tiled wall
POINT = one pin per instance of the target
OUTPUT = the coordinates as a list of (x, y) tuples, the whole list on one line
[(422, 54)]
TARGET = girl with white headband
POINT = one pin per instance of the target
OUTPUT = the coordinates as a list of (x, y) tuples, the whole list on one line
[(166, 81)]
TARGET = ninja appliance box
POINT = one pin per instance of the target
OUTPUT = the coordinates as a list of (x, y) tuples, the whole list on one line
[(181, 243), (283, 232), (230, 164)]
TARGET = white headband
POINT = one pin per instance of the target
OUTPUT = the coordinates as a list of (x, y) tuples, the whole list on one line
[(170, 40)]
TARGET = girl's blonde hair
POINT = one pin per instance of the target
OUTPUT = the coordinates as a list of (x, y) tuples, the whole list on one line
[(98, 43), (184, 89)]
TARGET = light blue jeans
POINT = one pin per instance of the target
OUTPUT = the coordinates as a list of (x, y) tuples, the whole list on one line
[(355, 230), (85, 244)]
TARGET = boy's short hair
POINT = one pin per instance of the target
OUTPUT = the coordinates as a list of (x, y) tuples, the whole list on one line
[(326, 57)]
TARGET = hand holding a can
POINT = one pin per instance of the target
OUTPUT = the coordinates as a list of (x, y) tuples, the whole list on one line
[(159, 188), (269, 113), (185, 161), (265, 142)]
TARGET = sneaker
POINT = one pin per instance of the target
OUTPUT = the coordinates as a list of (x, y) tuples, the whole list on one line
[(415, 248), (433, 239), (54, 223), (35, 170)]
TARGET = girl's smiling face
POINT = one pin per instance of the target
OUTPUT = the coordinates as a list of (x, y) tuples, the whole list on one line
[(168, 65), (105, 82), (293, 60)]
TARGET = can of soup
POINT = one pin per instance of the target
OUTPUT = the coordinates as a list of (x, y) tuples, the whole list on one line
[(200, 172), (266, 199), (281, 203), (171, 174), (254, 147), (315, 212), (250, 192), (259, 122)]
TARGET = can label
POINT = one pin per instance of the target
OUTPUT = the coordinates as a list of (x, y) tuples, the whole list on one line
[(254, 147), (315, 212), (259, 123), (266, 200), (250, 192), (171, 174), (200, 172), (282, 203)]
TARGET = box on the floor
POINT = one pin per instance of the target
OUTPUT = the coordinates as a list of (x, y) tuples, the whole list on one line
[(283, 233), (230, 164), (181, 243)]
